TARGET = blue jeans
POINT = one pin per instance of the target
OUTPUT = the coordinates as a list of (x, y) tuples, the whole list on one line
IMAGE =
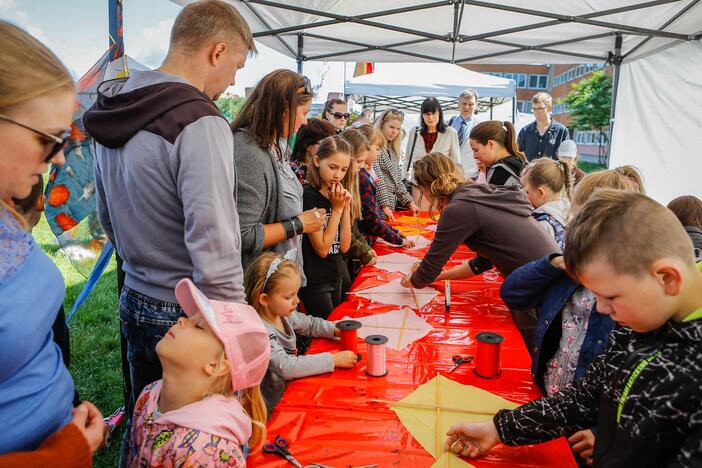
[(143, 322)]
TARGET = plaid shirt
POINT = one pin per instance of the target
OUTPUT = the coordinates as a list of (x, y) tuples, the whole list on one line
[(390, 186), (372, 223)]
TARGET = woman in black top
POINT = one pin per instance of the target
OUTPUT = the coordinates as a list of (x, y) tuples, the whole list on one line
[(494, 145)]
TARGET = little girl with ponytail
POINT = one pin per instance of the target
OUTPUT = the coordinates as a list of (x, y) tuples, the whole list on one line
[(548, 185), (494, 144)]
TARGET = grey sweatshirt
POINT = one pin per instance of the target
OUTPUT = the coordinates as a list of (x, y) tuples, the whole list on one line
[(285, 364), (558, 209), (165, 184), (495, 222)]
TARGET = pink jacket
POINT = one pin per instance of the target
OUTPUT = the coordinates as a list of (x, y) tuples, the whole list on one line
[(209, 432)]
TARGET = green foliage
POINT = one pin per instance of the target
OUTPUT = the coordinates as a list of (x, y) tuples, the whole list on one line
[(590, 102), (231, 106)]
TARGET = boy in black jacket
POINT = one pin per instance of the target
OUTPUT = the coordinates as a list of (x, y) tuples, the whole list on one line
[(644, 394)]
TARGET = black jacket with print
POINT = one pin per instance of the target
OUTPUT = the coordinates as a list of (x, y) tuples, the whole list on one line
[(650, 420)]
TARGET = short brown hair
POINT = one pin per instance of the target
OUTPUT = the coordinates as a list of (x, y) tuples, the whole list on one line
[(210, 20), (543, 98), (627, 228), (688, 209)]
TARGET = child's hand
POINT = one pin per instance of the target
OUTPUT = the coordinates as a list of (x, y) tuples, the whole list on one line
[(347, 198), (89, 421), (388, 212), (313, 220), (345, 359), (336, 197), (405, 281), (414, 208), (583, 443), (408, 243), (471, 439)]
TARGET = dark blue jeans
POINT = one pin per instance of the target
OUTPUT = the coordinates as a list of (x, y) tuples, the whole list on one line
[(143, 322)]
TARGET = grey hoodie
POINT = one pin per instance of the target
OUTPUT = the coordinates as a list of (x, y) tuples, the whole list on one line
[(165, 184), (495, 222)]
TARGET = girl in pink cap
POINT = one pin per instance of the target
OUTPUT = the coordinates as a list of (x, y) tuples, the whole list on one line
[(192, 417)]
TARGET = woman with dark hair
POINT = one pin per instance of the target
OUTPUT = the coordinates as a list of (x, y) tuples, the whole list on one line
[(432, 136), (306, 144), (494, 145), (337, 113), (269, 195)]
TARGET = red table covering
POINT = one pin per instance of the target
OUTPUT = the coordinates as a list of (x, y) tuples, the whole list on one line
[(329, 418)]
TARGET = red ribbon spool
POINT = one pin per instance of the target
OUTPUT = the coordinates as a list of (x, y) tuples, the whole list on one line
[(349, 334), (487, 360)]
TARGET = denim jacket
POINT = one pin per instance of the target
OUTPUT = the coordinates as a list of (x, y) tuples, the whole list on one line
[(540, 284)]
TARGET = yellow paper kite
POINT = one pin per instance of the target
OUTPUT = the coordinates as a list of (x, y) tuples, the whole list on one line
[(411, 230), (414, 220), (430, 410)]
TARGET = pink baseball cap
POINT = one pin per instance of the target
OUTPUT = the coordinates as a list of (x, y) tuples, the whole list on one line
[(238, 327)]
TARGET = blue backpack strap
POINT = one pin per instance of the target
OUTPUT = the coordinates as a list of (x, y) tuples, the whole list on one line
[(558, 228)]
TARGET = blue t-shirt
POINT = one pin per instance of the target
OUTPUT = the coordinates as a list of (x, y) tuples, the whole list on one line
[(36, 390)]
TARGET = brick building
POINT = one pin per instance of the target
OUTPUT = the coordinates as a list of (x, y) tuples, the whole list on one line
[(557, 81)]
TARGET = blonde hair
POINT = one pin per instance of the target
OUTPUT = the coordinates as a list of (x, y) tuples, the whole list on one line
[(373, 135), (396, 144), (621, 178), (543, 98), (251, 400), (357, 145), (210, 21), (255, 282), (556, 175), (626, 228), (28, 69), (440, 175)]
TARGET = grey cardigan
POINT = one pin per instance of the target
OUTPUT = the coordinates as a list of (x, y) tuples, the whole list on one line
[(256, 195)]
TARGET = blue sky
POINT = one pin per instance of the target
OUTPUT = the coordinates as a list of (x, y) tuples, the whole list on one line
[(76, 30)]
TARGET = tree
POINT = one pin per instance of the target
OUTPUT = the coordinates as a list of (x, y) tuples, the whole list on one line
[(590, 104), (231, 106)]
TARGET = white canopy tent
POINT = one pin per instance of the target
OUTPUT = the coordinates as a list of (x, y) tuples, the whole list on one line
[(512, 31), (405, 85)]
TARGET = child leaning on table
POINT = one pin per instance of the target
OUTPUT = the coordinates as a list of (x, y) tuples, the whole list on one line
[(644, 394), (271, 283)]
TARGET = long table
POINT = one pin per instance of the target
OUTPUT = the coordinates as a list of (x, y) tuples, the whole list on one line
[(331, 419)]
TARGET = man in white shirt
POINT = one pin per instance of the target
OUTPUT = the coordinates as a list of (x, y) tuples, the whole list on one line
[(463, 124)]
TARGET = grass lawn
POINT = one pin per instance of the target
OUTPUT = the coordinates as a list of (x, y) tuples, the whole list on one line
[(95, 356)]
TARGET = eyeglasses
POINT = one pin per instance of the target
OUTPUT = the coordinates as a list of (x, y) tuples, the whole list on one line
[(340, 115), (307, 85), (59, 143), (395, 112), (539, 108)]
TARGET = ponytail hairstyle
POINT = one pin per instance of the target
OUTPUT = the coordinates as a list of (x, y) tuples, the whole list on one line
[(329, 105), (358, 143), (255, 406), (440, 175), (386, 116), (555, 175), (502, 133)]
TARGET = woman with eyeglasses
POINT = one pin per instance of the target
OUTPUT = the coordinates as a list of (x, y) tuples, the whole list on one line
[(431, 136), (336, 112), (37, 99), (269, 194), (392, 193)]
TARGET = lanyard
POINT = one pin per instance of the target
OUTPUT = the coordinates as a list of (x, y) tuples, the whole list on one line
[(630, 382)]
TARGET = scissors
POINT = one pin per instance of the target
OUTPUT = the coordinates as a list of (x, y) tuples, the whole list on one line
[(458, 360), (280, 447)]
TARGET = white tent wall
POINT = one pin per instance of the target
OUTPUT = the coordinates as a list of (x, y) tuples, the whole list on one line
[(657, 125)]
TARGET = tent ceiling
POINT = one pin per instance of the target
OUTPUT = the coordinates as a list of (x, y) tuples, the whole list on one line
[(463, 31)]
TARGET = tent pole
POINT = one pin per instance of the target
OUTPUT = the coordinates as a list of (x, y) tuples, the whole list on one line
[(491, 105), (616, 61), (300, 43), (514, 109)]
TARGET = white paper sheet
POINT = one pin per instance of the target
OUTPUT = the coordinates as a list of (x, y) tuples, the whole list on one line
[(394, 293), (402, 327)]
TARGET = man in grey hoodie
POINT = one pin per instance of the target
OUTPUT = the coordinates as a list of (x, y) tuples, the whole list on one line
[(165, 177)]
